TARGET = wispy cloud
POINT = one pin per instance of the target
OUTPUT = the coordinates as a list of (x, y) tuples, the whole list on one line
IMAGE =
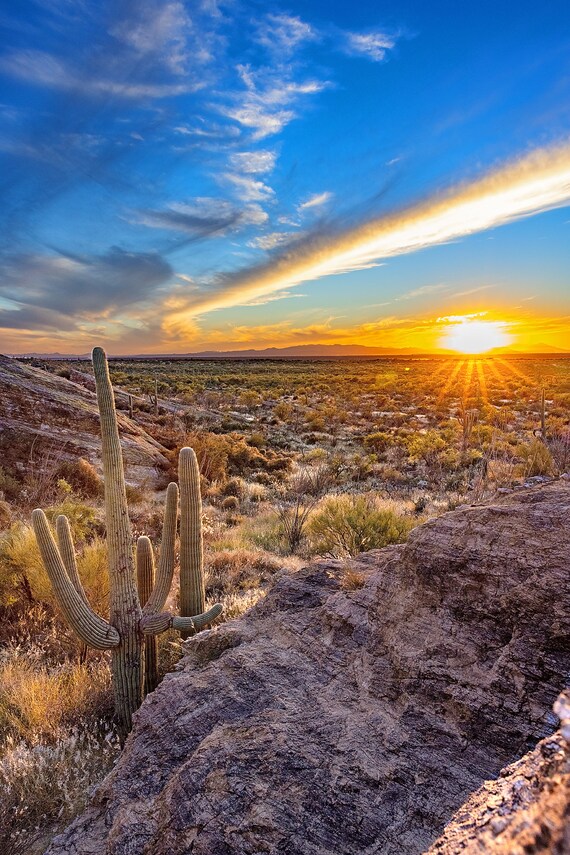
[(537, 182), (424, 290), (248, 188), (254, 162), (270, 241), (470, 291), (316, 201), (371, 45), (266, 105), (283, 34)]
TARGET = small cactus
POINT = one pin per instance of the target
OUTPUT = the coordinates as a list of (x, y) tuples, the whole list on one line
[(136, 615)]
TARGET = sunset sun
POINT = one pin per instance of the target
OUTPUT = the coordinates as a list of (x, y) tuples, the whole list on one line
[(475, 336)]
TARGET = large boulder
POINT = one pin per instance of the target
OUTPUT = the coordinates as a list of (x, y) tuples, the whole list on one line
[(355, 708)]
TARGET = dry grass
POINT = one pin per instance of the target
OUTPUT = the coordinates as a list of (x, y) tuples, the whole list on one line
[(37, 701), (352, 580), (239, 570), (42, 787)]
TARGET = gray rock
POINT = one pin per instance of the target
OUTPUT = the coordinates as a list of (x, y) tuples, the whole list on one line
[(332, 722)]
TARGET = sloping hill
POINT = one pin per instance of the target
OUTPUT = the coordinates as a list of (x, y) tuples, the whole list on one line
[(45, 416), (353, 714)]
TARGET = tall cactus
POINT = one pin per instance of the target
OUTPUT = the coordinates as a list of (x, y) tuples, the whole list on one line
[(129, 623), (192, 591)]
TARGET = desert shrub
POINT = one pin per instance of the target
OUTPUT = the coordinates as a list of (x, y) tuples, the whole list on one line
[(82, 477), (250, 399), (22, 575), (10, 487), (135, 494), (316, 423), (425, 446), (537, 459), (283, 411), (243, 457), (265, 532), (234, 487), (378, 441), (257, 440), (92, 569), (83, 519), (346, 525), (559, 447), (230, 503), (212, 453)]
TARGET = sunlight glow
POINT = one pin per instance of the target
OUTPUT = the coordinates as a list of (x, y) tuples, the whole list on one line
[(537, 182), (473, 336)]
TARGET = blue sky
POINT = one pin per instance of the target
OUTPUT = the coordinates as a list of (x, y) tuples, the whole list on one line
[(184, 176)]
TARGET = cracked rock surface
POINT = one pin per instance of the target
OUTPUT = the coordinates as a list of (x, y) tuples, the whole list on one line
[(353, 721)]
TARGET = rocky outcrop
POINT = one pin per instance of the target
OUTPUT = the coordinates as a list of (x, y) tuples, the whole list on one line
[(357, 706), (525, 810), (47, 417)]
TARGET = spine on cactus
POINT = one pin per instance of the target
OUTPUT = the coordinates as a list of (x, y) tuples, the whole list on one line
[(192, 589), (145, 584), (125, 610)]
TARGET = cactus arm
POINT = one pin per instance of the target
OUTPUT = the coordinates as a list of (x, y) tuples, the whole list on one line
[(67, 552), (157, 623), (90, 628), (124, 602), (192, 590), (196, 622), (145, 583), (155, 602)]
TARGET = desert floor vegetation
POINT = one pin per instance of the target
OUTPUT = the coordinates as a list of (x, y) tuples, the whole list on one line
[(299, 460)]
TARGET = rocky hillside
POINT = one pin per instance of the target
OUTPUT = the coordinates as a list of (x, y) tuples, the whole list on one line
[(45, 417), (356, 707)]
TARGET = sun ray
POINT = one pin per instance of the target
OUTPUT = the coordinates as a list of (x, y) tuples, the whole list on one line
[(498, 376), (450, 379), (445, 364), (510, 367), (482, 381), (467, 380)]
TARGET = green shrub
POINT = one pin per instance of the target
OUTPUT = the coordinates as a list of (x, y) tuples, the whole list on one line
[(425, 446), (379, 441), (346, 525)]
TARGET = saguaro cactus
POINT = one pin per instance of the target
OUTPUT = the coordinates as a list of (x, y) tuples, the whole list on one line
[(129, 623), (192, 592)]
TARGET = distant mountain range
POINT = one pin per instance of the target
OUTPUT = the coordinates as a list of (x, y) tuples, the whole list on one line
[(300, 351)]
